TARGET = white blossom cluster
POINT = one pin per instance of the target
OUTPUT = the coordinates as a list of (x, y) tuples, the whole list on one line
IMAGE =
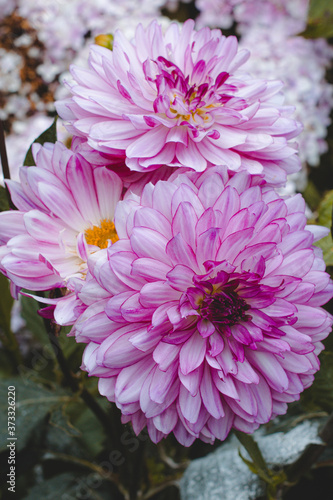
[(216, 13), (301, 65), (280, 54), (253, 13), (65, 29), (7, 7)]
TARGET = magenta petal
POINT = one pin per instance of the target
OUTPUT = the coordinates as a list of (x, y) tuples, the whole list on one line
[(268, 365), (184, 437), (161, 383), (114, 304), (246, 401), (149, 243), (149, 269), (166, 421), (208, 245), (144, 340), (298, 263), (191, 156), (205, 328), (221, 427), (127, 387), (226, 386), (246, 373), (216, 344), (148, 144), (164, 354), (149, 218), (154, 294), (184, 222), (181, 253), (180, 277), (263, 396), (106, 387), (192, 353), (295, 363), (132, 310), (210, 394), (192, 380), (189, 405), (115, 352)]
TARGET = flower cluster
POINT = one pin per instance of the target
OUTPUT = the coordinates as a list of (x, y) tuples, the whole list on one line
[(39, 39), (249, 14), (300, 63), (195, 285), (179, 98)]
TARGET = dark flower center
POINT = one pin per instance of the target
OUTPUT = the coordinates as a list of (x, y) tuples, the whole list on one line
[(224, 308)]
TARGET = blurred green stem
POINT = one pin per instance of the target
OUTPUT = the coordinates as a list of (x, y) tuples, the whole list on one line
[(7, 336), (4, 163), (72, 381), (10, 344)]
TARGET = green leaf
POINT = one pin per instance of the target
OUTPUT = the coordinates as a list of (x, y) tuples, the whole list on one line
[(320, 20), (253, 450), (250, 465), (77, 431), (258, 465), (71, 349), (55, 488), (325, 210), (72, 486), (326, 244), (49, 135), (60, 419), (92, 433), (4, 205), (35, 324), (318, 8), (325, 219), (311, 195), (7, 365), (33, 403), (320, 395), (6, 304)]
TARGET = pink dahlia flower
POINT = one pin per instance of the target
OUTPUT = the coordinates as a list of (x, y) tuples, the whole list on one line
[(205, 315), (135, 181), (65, 213), (179, 99)]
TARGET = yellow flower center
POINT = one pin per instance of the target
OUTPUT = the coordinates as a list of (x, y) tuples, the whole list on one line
[(202, 112), (99, 235)]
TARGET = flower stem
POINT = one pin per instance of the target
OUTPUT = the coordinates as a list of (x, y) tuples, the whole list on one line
[(4, 163), (135, 467)]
